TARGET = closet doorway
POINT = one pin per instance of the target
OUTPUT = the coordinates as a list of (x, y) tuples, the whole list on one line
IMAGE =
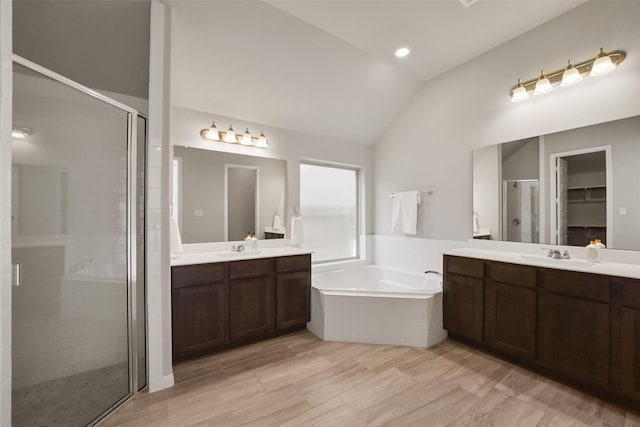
[(581, 184)]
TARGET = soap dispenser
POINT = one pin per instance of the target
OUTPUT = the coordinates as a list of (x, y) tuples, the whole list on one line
[(593, 252)]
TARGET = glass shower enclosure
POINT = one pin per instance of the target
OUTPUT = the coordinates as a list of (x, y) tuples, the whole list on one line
[(78, 307), (520, 206)]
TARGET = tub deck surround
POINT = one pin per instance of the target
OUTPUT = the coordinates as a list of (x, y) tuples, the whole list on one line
[(538, 259), (369, 304)]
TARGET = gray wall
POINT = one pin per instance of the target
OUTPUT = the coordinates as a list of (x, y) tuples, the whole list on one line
[(242, 202), (624, 138), (486, 189), (102, 44), (522, 163), (203, 189)]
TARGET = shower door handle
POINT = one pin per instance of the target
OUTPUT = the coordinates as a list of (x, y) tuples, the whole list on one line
[(16, 273)]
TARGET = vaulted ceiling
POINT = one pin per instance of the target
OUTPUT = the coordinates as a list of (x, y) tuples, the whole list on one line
[(327, 67)]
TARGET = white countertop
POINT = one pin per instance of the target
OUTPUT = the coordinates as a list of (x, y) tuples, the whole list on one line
[(188, 258), (606, 268)]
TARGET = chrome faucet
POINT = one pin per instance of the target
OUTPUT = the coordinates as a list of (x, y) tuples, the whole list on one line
[(433, 272), (237, 248), (566, 254), (554, 253)]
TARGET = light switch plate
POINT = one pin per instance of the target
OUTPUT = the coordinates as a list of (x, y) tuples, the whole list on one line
[(198, 212), (622, 211)]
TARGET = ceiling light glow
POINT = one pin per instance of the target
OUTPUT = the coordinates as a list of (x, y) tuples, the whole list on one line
[(402, 52)]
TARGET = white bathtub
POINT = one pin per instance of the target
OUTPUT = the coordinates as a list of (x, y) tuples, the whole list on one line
[(373, 305)]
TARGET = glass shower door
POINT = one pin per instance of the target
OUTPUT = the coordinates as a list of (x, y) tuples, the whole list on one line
[(71, 241)]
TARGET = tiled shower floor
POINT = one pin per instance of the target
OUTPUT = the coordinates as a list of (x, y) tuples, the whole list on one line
[(70, 401)]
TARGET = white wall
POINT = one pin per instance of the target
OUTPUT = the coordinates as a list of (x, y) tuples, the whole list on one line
[(6, 85), (283, 144), (487, 189), (429, 144)]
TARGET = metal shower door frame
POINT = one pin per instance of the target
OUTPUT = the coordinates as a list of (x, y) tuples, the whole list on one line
[(132, 232)]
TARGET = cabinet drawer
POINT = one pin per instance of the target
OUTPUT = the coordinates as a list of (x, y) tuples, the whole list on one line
[(631, 293), (581, 285), (189, 275), (251, 268), (520, 275), (465, 266), (293, 263)]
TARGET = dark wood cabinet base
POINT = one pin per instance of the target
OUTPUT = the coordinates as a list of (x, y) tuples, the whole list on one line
[(581, 329), (219, 306)]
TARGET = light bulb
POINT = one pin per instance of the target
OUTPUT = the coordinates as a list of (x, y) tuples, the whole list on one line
[(602, 65), (213, 134), (21, 133), (230, 136), (246, 138), (262, 141), (543, 85), (570, 76), (519, 93), (402, 52)]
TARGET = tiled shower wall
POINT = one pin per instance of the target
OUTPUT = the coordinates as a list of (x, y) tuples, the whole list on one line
[(412, 254)]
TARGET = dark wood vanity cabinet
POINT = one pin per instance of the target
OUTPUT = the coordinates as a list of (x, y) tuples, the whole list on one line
[(574, 326), (510, 309), (463, 296), (627, 366), (251, 298), (199, 310), (219, 305), (580, 328)]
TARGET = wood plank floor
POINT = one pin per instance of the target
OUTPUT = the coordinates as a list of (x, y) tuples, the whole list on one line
[(299, 380)]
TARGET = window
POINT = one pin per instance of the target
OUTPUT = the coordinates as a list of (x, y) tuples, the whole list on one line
[(329, 205)]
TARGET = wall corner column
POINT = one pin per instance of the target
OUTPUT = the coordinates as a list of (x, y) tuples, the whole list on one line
[(158, 193)]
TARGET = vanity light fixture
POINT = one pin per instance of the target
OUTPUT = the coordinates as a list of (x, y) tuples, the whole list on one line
[(570, 75), (246, 138), (543, 85), (230, 136), (213, 134)]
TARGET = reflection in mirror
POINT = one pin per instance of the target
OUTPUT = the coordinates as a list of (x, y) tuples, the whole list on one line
[(221, 196), (565, 188)]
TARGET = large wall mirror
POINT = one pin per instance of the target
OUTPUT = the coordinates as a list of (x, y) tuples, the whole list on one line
[(220, 197), (565, 188)]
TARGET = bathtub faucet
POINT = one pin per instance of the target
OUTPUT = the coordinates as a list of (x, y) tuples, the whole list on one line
[(433, 272)]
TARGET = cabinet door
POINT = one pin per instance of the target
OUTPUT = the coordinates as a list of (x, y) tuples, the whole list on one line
[(510, 319), (630, 353), (575, 339), (292, 299), (199, 319), (251, 307), (463, 306)]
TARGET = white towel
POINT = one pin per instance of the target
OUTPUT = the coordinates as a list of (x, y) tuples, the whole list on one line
[(176, 240), (404, 218), (297, 232)]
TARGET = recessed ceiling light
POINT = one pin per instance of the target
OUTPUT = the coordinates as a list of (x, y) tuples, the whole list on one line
[(21, 132), (467, 3), (402, 52)]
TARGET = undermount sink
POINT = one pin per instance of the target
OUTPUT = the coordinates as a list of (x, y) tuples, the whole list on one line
[(238, 254), (557, 262)]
